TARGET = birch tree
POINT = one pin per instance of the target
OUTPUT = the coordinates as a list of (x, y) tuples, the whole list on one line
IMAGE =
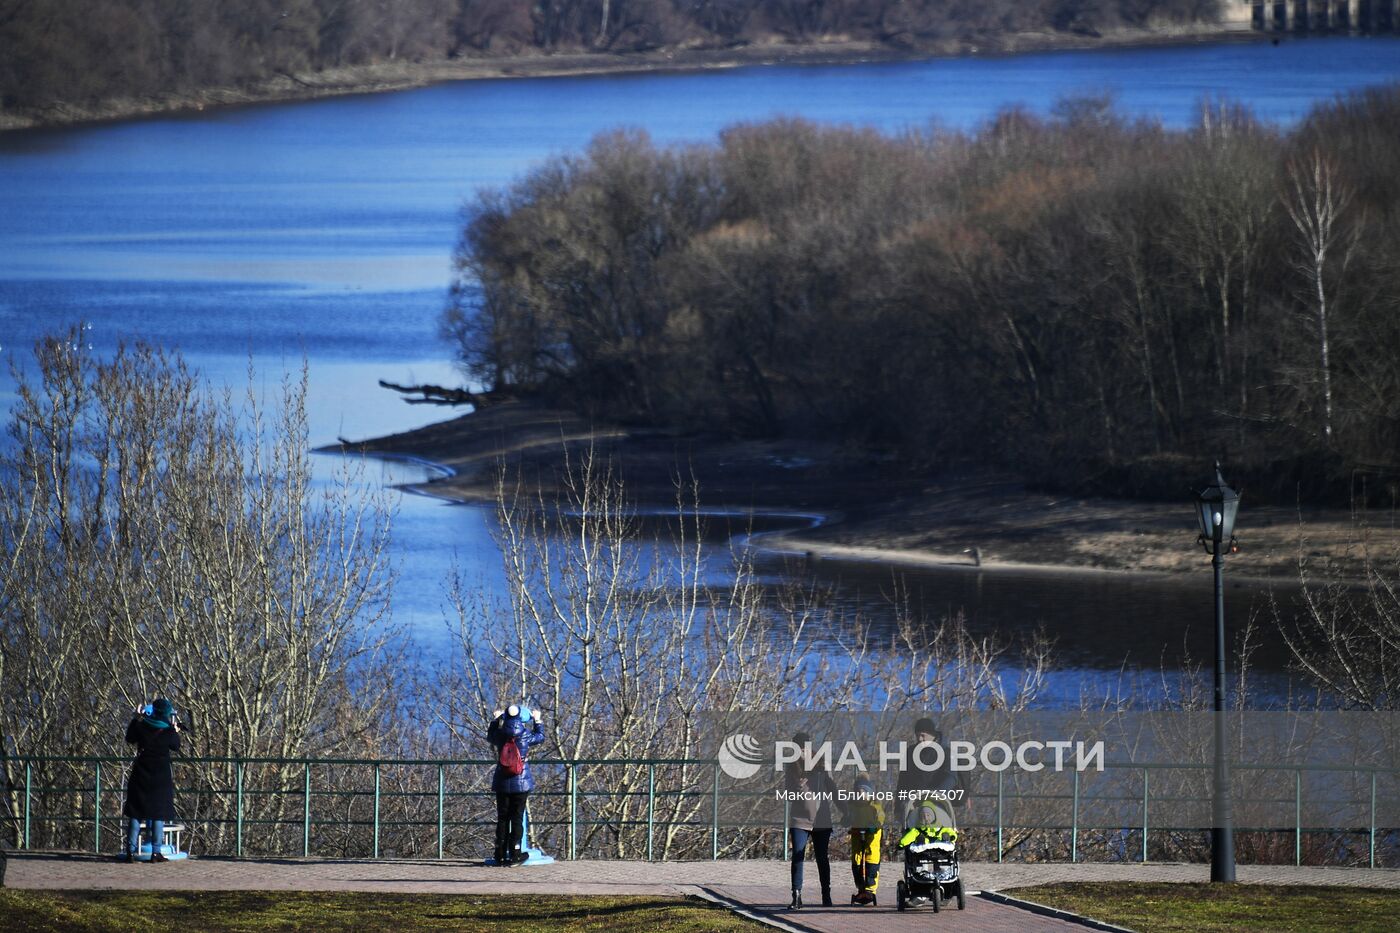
[(1325, 244)]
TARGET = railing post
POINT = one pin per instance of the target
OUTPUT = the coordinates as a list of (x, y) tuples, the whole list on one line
[(714, 818), (1074, 822), (1000, 804), (306, 810), (28, 784), (442, 788), (97, 807), (238, 816), (651, 811), (787, 836), (573, 811), (1373, 819), (376, 810), (1144, 816), (1297, 817)]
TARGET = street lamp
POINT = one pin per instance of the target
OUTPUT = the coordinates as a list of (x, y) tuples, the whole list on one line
[(1216, 506)]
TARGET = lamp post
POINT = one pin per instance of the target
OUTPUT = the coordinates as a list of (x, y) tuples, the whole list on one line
[(1216, 506)]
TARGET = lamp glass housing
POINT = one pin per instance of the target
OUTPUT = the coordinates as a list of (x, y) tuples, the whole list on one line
[(1216, 507)]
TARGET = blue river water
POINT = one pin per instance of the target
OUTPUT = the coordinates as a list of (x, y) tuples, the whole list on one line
[(323, 231)]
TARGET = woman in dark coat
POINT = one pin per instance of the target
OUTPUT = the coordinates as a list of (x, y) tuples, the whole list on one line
[(150, 788), (809, 820)]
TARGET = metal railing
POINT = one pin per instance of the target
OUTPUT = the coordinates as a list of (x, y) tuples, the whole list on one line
[(697, 809), (1299, 828)]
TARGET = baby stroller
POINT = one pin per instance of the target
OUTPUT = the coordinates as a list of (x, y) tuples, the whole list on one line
[(931, 872)]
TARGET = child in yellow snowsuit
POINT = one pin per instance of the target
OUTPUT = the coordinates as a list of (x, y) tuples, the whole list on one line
[(866, 817)]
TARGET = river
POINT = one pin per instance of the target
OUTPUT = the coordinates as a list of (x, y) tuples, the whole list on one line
[(324, 230)]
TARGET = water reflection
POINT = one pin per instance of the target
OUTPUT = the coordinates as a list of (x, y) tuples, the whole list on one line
[(1115, 634)]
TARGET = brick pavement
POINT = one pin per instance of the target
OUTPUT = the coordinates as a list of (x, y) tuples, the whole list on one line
[(756, 887), (769, 903)]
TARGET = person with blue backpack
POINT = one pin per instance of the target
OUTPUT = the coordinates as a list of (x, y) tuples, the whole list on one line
[(512, 733)]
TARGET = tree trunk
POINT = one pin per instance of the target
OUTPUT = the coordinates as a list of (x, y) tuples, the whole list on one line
[(1315, 208)]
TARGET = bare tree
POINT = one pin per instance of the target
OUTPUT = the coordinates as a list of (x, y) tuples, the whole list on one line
[(1347, 638), (618, 640), (1225, 202), (159, 538), (1317, 204), (626, 640)]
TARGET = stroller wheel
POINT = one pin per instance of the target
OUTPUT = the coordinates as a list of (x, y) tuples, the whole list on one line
[(960, 894), (937, 898), (899, 897)]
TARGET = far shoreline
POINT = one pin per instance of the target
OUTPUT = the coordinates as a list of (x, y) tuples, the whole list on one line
[(402, 76)]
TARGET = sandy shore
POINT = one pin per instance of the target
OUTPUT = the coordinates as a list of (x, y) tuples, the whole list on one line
[(398, 76), (873, 510)]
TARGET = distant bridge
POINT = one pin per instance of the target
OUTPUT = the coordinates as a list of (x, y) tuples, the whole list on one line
[(1318, 15)]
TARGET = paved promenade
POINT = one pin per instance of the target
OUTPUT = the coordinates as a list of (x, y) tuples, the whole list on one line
[(758, 888)]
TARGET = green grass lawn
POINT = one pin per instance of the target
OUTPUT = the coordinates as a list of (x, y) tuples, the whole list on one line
[(194, 912), (1204, 908)]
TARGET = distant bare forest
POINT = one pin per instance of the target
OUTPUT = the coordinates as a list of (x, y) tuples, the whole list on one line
[(1081, 296), (86, 51)]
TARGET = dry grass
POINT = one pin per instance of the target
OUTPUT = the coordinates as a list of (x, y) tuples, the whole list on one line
[(1204, 908), (42, 911)]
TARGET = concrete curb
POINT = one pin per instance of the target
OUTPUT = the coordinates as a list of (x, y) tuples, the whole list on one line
[(1046, 911), (746, 912)]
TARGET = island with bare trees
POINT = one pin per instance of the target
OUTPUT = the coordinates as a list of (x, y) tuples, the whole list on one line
[(955, 340), (1091, 299)]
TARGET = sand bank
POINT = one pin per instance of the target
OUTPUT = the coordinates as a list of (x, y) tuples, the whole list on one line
[(873, 509)]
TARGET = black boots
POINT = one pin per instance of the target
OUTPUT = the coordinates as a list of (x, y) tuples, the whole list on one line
[(797, 899)]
